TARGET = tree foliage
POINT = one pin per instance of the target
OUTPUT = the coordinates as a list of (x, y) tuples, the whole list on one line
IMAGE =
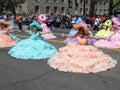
[(10, 5), (116, 4)]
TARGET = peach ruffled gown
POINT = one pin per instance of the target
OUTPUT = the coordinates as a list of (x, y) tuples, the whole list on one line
[(6, 40), (78, 58)]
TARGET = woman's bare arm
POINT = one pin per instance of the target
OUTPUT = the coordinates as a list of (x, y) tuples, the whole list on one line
[(67, 35)]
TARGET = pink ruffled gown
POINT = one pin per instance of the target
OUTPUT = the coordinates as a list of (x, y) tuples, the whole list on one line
[(6, 40), (112, 41), (46, 29), (78, 58)]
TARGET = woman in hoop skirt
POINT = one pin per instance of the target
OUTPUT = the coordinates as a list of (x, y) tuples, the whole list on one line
[(111, 41), (5, 39), (35, 47), (81, 57), (42, 21)]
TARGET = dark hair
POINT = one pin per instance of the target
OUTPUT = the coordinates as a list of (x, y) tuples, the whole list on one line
[(81, 32), (36, 27)]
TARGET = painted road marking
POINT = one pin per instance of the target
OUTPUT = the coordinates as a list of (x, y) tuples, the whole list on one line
[(47, 40), (60, 41)]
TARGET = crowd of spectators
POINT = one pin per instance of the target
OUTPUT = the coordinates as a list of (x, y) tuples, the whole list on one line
[(56, 21)]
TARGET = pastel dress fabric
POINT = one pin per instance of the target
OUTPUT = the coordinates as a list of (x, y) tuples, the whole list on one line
[(46, 29), (12, 36), (74, 40), (91, 40), (79, 20), (104, 33), (78, 58), (112, 41), (34, 48), (73, 31), (6, 40)]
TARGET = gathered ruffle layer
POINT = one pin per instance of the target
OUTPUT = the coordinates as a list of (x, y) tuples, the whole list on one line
[(81, 59), (112, 41), (104, 33), (32, 49), (72, 40), (6, 41)]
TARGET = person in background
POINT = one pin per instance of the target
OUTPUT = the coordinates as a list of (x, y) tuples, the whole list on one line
[(19, 20)]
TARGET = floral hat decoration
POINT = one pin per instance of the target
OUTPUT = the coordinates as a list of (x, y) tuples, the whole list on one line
[(42, 17), (81, 25), (37, 25)]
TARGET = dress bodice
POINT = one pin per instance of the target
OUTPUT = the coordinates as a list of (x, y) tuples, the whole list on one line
[(82, 41), (35, 36)]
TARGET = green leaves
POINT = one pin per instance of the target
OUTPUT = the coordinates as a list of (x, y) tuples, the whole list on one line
[(116, 4), (10, 5)]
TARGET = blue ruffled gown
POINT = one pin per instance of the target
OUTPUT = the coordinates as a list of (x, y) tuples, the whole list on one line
[(33, 48)]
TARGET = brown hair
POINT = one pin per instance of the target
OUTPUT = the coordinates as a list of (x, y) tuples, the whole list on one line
[(82, 30)]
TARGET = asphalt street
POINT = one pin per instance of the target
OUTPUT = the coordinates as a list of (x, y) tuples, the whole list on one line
[(17, 74)]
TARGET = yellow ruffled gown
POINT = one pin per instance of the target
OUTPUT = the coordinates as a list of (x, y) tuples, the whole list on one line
[(106, 31)]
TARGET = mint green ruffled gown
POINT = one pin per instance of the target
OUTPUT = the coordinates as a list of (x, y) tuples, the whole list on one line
[(34, 48)]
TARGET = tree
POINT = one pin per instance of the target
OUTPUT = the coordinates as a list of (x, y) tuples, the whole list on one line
[(116, 5), (10, 5), (113, 5)]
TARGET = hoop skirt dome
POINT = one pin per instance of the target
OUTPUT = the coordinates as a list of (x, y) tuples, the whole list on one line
[(33, 48)]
